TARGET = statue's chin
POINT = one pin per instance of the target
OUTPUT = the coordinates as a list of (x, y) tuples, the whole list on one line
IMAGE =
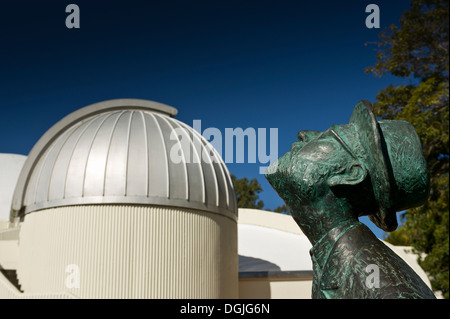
[(272, 169), (273, 175), (280, 166)]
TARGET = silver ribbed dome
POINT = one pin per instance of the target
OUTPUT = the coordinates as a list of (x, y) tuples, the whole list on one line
[(124, 151)]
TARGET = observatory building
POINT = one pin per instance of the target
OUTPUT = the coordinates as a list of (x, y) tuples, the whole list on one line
[(100, 195), (121, 200)]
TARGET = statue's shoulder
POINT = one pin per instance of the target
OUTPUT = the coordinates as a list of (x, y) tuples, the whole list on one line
[(362, 266)]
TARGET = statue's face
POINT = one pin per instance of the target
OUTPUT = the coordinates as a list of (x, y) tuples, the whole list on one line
[(300, 176)]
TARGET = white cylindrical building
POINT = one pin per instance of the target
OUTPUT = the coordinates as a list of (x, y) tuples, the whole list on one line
[(121, 200)]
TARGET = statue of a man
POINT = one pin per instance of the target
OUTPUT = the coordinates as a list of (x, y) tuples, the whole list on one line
[(329, 179)]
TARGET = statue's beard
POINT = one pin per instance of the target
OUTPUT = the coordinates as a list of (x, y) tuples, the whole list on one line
[(300, 182)]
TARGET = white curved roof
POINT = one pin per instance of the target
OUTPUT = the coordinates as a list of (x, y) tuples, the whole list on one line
[(124, 151), (270, 241), (10, 167), (267, 249)]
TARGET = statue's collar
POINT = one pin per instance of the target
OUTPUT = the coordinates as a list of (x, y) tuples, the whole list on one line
[(322, 248)]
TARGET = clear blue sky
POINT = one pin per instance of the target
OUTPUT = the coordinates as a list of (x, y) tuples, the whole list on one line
[(290, 65)]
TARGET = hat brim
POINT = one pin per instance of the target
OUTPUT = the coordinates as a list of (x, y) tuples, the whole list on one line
[(377, 161)]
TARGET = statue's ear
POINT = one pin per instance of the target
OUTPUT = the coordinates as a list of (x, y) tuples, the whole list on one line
[(354, 174)]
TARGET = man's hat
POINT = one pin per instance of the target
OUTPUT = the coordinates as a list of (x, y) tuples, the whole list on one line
[(394, 158)]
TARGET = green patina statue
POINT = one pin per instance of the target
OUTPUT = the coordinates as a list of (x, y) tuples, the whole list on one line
[(329, 179)]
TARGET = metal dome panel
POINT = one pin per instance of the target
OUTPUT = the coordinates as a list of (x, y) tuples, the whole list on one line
[(124, 151)]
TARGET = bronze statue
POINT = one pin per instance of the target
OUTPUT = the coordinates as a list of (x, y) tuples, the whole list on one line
[(329, 179)]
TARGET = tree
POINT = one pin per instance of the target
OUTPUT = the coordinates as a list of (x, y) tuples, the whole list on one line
[(418, 50), (247, 192), (282, 209)]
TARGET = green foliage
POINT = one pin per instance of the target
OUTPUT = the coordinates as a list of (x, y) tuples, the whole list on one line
[(418, 50), (247, 192), (400, 237), (282, 209), (419, 47)]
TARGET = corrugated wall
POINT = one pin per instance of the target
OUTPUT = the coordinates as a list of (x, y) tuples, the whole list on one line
[(119, 251)]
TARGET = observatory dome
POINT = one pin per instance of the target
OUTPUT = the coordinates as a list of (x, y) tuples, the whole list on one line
[(125, 151)]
